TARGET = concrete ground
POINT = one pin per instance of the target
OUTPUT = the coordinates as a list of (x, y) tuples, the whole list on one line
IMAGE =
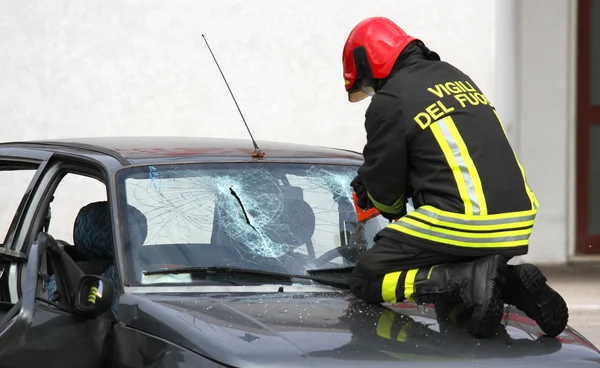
[(579, 284)]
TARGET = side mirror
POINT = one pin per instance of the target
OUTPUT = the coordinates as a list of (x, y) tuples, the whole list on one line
[(94, 296)]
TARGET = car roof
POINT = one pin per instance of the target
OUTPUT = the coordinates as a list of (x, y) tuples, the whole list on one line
[(130, 150)]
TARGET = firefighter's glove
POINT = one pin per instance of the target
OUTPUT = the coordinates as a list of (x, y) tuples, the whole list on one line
[(364, 202)]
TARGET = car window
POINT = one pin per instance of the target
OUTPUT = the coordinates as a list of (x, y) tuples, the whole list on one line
[(282, 217), (72, 193), (13, 186)]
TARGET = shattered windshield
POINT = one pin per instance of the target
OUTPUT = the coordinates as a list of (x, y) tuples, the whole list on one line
[(281, 217)]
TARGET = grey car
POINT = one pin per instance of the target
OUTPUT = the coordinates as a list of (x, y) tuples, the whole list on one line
[(204, 255)]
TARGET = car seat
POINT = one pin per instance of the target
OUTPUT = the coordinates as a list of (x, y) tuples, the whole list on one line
[(93, 240)]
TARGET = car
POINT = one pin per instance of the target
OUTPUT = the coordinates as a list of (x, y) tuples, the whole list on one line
[(195, 252)]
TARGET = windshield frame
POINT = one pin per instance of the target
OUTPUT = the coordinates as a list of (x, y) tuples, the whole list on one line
[(124, 260)]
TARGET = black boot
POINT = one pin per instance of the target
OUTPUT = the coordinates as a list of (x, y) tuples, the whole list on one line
[(526, 289), (478, 284)]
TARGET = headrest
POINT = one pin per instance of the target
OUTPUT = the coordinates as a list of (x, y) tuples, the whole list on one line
[(296, 224), (137, 224), (92, 231)]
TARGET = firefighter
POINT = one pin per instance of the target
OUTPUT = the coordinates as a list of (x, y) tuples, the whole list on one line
[(433, 136)]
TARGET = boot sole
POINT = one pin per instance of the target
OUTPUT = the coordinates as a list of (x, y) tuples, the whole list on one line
[(491, 317), (553, 312)]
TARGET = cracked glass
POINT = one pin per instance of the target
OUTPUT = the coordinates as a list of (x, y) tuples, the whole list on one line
[(282, 217)]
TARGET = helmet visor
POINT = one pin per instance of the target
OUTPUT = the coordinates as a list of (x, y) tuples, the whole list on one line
[(360, 91)]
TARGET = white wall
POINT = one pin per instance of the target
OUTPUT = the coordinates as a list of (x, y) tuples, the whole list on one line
[(545, 120), (124, 67), (505, 56)]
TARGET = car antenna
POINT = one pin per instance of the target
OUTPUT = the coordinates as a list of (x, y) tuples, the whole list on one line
[(257, 151)]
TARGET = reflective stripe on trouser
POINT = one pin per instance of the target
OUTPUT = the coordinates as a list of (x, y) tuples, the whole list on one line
[(491, 231), (465, 173), (400, 285)]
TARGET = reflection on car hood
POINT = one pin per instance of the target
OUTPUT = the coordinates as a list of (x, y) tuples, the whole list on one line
[(331, 330)]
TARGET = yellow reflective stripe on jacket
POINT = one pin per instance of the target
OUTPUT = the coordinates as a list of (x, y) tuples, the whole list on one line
[(460, 181), (474, 225), (532, 198), (394, 208), (534, 202), (462, 165), (389, 285), (471, 175), (459, 218), (504, 235), (456, 229), (461, 241)]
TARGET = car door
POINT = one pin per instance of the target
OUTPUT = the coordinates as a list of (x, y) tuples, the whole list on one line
[(55, 337), (33, 335), (20, 173)]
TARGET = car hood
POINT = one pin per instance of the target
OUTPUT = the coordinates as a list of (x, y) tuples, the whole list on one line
[(334, 329)]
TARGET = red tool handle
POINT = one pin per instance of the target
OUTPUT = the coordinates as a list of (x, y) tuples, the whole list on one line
[(364, 215)]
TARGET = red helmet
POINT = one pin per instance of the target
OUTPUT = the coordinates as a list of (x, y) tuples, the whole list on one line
[(370, 53)]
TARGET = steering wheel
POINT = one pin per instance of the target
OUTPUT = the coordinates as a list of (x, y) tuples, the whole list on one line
[(330, 255), (333, 254)]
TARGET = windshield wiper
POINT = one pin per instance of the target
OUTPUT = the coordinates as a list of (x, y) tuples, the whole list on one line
[(224, 270), (333, 270), (239, 200)]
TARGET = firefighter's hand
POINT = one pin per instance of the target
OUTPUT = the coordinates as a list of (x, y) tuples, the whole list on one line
[(361, 192)]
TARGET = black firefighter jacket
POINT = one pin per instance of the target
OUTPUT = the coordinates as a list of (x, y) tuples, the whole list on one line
[(434, 136)]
